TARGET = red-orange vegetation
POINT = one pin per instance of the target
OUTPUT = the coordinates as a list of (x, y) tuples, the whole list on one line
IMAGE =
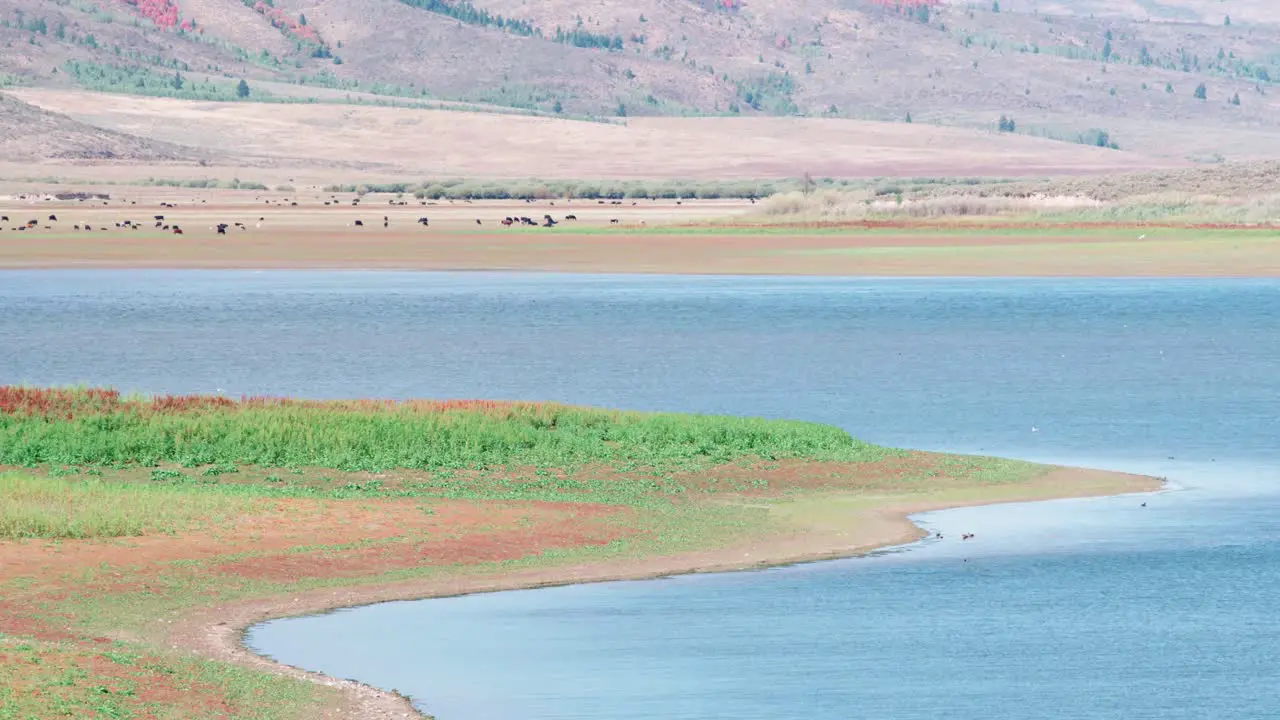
[(69, 403), (164, 13)]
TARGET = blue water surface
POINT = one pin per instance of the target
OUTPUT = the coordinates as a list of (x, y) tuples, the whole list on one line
[(1086, 609)]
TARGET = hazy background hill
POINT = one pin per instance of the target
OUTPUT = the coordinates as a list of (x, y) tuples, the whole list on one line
[(1180, 80)]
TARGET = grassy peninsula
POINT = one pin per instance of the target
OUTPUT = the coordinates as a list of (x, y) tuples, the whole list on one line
[(137, 534)]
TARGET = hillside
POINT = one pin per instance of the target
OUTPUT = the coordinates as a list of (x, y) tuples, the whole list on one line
[(29, 134), (1175, 79)]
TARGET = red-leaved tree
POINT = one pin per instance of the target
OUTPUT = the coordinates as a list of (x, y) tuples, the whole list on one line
[(163, 13)]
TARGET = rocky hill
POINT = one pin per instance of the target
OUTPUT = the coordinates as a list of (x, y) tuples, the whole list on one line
[(1186, 79)]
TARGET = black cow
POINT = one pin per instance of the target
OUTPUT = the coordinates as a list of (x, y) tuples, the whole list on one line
[(359, 223), (53, 218), (570, 217)]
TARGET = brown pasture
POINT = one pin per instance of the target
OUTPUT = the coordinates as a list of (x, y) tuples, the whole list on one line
[(712, 237)]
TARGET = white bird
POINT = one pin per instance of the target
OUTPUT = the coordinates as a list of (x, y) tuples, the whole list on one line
[(1035, 429), (1142, 237)]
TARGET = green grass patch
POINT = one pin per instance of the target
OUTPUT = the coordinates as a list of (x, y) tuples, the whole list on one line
[(46, 680), (34, 507), (83, 427)]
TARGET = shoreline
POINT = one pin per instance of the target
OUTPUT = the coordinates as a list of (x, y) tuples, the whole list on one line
[(218, 633), (869, 273)]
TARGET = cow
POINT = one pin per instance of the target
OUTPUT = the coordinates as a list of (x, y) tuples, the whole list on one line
[(424, 222), (570, 217), (177, 230), (359, 223), (507, 222), (613, 221), (222, 228), (53, 218)]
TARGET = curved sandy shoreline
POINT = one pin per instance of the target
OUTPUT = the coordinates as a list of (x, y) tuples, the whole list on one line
[(218, 633)]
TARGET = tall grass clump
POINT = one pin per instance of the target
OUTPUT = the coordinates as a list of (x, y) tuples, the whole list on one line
[(34, 507), (88, 427), (832, 204)]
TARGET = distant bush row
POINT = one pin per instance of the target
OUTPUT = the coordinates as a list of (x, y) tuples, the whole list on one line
[(589, 190), (465, 12), (203, 183), (144, 81)]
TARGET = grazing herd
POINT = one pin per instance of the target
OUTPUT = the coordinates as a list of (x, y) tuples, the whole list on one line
[(222, 228)]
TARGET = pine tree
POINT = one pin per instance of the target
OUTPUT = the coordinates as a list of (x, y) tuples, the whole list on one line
[(557, 108), (302, 20), (1235, 99), (242, 90), (908, 117), (1202, 93)]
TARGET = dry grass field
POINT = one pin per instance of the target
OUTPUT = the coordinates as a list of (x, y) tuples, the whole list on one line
[(339, 141)]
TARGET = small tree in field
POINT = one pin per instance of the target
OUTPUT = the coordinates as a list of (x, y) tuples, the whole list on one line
[(242, 90), (1201, 92)]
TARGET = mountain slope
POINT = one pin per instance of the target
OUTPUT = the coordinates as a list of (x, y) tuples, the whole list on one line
[(1169, 78)]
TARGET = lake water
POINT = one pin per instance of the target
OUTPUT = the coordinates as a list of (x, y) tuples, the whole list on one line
[(1084, 609)]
